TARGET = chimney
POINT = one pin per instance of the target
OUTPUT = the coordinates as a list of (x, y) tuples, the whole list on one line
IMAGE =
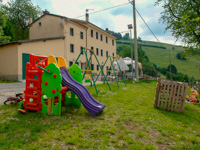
[(87, 17), (106, 29), (45, 12), (30, 19)]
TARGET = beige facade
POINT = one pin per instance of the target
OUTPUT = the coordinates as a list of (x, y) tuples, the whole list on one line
[(11, 55), (9, 62), (102, 42), (46, 27), (60, 36)]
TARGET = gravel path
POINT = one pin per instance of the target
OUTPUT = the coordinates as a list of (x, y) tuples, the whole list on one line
[(9, 89)]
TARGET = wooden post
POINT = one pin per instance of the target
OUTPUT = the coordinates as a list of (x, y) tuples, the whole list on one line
[(50, 105), (157, 92)]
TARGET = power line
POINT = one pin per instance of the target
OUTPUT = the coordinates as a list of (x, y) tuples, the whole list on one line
[(147, 25), (104, 9)]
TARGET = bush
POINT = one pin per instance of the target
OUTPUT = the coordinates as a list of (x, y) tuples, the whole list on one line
[(181, 56), (186, 78), (179, 77), (149, 69), (173, 67), (169, 77), (163, 70)]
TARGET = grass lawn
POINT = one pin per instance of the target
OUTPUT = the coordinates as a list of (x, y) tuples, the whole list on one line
[(129, 121), (6, 81), (161, 56)]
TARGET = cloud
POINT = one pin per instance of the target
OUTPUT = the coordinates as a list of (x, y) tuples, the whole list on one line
[(115, 19)]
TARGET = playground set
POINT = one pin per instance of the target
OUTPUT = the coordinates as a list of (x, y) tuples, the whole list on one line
[(90, 77), (47, 83), (48, 80)]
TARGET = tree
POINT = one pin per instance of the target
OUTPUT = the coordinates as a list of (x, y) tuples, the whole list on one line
[(9, 30), (3, 19), (126, 36), (18, 15), (118, 35), (139, 39), (173, 68), (183, 19)]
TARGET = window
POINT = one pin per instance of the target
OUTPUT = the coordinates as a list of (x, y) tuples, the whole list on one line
[(92, 66), (71, 31), (113, 54), (101, 52), (81, 49), (106, 39), (106, 53), (97, 35), (72, 48), (70, 63), (97, 67), (113, 42), (97, 51), (91, 33), (40, 24), (101, 37), (81, 35), (92, 48)]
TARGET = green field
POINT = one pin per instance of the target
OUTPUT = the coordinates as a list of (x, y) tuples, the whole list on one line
[(161, 56), (129, 121)]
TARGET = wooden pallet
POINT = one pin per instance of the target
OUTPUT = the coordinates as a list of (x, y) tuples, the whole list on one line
[(170, 95)]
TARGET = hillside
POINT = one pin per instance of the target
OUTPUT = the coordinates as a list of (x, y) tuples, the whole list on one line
[(158, 53)]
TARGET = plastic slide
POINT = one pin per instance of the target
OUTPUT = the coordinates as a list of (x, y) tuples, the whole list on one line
[(92, 106)]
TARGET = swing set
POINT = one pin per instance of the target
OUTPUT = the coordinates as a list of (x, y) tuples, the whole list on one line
[(101, 68)]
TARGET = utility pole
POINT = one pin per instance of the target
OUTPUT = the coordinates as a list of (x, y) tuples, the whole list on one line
[(131, 27), (135, 42)]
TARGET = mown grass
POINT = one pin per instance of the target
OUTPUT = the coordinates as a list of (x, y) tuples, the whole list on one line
[(129, 121), (161, 57)]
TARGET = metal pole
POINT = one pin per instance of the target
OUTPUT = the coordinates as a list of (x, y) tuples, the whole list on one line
[(135, 42), (131, 54)]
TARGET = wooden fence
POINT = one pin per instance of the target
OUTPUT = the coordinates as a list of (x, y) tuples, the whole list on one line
[(170, 95)]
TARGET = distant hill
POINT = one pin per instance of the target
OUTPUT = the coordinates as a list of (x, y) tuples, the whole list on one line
[(158, 53)]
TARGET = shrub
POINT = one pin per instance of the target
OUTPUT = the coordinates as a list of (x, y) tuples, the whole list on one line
[(169, 77), (186, 78), (163, 70), (173, 67), (179, 77), (181, 56)]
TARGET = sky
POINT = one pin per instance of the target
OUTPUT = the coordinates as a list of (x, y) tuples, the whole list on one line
[(115, 19)]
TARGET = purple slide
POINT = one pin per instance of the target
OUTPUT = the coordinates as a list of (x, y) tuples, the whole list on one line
[(92, 106)]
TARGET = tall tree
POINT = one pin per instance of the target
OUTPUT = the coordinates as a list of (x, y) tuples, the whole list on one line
[(126, 36), (18, 15), (3, 19), (182, 17)]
